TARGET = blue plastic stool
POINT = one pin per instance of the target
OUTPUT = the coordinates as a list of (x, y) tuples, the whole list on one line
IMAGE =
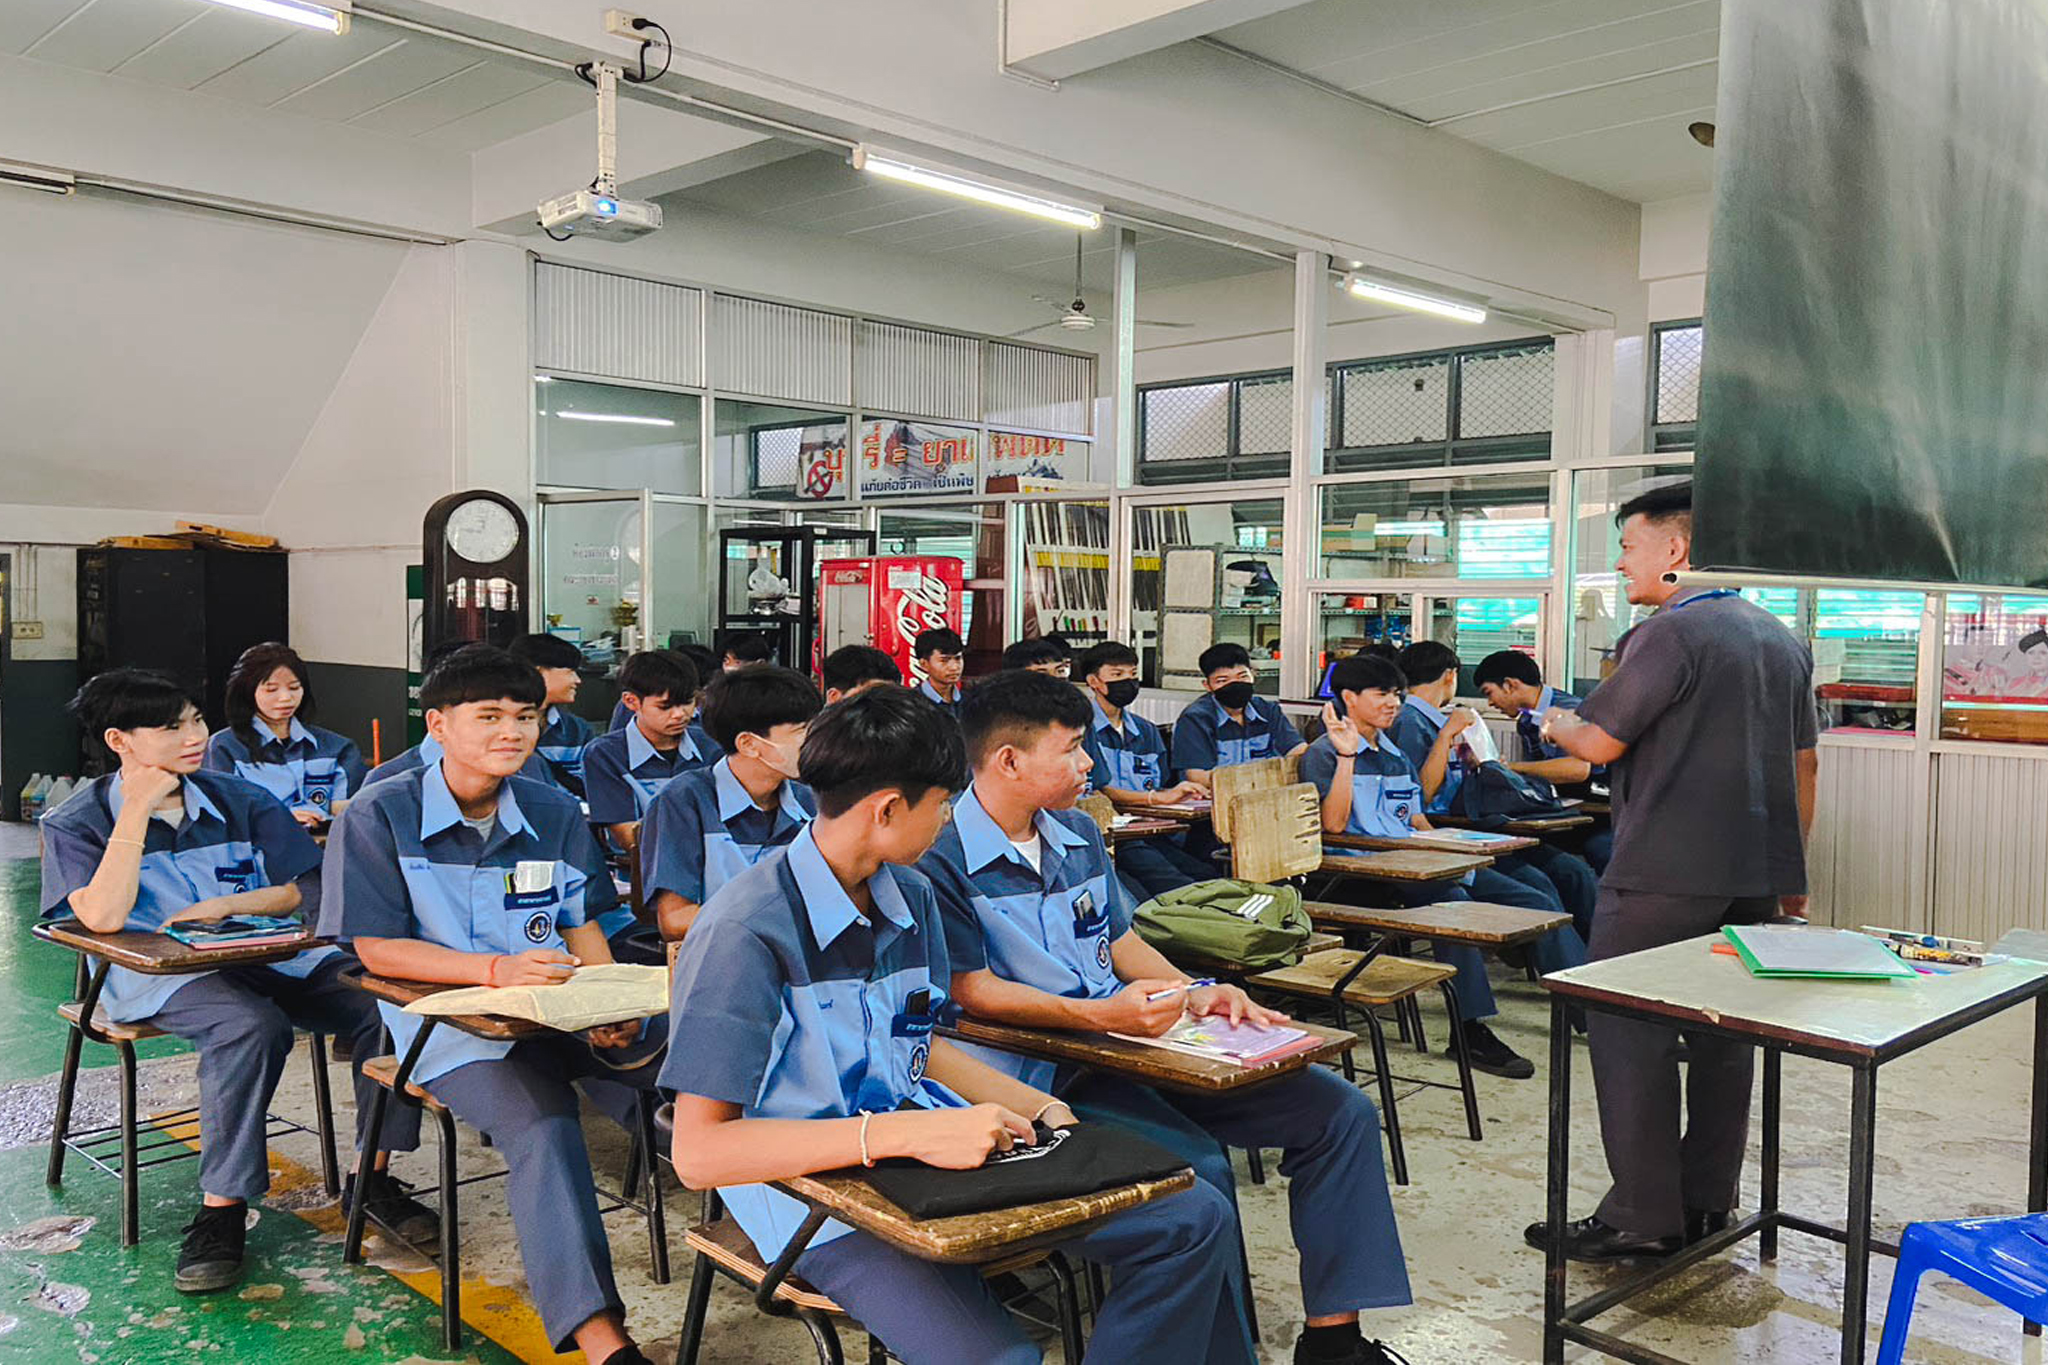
[(2004, 1259)]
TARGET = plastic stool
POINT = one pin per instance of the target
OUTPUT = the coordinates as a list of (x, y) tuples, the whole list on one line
[(2004, 1259)]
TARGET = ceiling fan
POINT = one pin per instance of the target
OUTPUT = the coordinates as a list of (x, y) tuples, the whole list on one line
[(1074, 316)]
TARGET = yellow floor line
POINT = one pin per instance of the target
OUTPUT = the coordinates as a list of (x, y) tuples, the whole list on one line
[(498, 1312)]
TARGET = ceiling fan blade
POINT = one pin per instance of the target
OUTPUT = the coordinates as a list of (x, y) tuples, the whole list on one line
[(1029, 330)]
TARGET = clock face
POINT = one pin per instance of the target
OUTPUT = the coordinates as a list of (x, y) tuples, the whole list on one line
[(482, 531)]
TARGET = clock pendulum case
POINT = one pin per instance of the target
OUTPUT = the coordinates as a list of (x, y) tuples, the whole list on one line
[(475, 553)]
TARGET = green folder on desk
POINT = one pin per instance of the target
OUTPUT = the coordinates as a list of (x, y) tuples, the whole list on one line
[(1804, 951)]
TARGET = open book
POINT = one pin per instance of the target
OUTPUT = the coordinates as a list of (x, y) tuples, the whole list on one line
[(1215, 1037), (603, 993)]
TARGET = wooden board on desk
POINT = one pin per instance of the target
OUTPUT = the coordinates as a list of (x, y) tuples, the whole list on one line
[(1143, 827), (971, 1238), (1404, 865), (1476, 922), (1154, 1065), (160, 954), (1186, 812), (1493, 847), (1549, 824)]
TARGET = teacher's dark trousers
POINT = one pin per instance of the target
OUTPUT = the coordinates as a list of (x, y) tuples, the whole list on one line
[(1659, 1170)]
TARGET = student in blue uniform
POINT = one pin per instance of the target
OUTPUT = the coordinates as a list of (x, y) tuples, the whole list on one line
[(463, 872), (1424, 732), (941, 656), (1128, 757), (706, 666), (428, 750), (1513, 684), (161, 842), (712, 824), (1040, 935), (1229, 724), (625, 770), (1369, 787), (854, 668), (563, 733), (743, 651), (268, 742), (1039, 655), (765, 1090)]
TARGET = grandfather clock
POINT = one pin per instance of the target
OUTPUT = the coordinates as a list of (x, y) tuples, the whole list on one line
[(475, 554)]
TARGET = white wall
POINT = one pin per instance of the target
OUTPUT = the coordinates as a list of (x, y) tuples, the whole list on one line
[(1672, 260)]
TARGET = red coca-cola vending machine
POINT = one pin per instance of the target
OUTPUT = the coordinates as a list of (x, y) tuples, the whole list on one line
[(886, 600)]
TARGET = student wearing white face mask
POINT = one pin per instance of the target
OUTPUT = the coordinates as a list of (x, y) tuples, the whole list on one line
[(708, 826)]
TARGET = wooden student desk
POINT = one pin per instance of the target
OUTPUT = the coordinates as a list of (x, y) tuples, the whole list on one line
[(1144, 827), (1160, 1066), (156, 954), (1371, 843), (1857, 1024), (1184, 813), (1549, 824)]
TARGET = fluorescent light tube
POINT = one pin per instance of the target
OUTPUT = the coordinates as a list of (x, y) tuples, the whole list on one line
[(623, 417), (980, 191), (331, 17), (37, 178), (1358, 286), (1408, 528)]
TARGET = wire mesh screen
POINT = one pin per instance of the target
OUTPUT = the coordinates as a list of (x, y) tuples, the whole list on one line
[(1188, 422), (1678, 374), (1265, 416), (1397, 402), (1506, 393), (776, 451)]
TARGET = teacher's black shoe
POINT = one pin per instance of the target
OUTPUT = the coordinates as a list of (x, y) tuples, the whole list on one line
[(1491, 1055), (1594, 1242), (1701, 1224)]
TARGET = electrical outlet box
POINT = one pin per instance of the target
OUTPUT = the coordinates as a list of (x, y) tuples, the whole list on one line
[(28, 630), (619, 23)]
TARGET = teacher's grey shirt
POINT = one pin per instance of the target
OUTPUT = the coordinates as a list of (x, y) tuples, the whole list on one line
[(1713, 696)]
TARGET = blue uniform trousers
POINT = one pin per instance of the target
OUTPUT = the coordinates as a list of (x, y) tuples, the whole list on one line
[(525, 1103), (1157, 866), (1174, 1297), (1573, 878), (1560, 948), (241, 1022), (1329, 1136)]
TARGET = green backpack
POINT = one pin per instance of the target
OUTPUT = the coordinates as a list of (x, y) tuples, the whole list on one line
[(1245, 925)]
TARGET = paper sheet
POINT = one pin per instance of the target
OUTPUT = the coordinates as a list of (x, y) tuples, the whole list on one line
[(604, 993)]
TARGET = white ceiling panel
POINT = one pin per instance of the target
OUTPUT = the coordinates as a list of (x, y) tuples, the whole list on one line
[(101, 35), (1604, 87), (203, 48), (478, 87), (390, 75), (297, 62), (24, 21), (549, 102)]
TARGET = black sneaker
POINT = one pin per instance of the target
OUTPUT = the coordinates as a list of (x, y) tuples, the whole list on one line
[(1594, 1242), (211, 1258), (1363, 1351), (1491, 1055), (391, 1204), (627, 1355)]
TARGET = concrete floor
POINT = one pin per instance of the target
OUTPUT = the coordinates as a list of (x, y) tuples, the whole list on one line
[(1952, 1142)]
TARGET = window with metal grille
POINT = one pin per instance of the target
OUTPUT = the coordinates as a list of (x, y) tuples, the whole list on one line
[(1215, 429), (1676, 353), (1476, 405), (775, 458)]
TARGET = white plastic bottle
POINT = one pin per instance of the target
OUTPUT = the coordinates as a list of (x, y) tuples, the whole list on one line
[(62, 790), (28, 796)]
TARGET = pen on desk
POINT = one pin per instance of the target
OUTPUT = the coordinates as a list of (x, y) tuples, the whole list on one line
[(1184, 986)]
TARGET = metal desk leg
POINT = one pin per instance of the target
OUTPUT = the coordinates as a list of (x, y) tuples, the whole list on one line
[(1767, 1198), (2037, 1150), (1555, 1181), (1856, 1266)]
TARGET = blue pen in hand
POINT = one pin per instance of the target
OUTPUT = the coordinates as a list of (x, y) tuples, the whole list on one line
[(1184, 986)]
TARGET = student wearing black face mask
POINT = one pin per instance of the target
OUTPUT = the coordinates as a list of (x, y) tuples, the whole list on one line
[(1230, 724), (1129, 765)]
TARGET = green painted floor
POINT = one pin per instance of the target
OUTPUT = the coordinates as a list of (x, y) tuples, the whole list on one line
[(70, 1291)]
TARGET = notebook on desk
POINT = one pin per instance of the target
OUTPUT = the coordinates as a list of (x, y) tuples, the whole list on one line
[(237, 931), (1212, 1036), (1813, 952)]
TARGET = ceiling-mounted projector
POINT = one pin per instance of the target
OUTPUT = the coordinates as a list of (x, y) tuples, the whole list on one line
[(598, 211)]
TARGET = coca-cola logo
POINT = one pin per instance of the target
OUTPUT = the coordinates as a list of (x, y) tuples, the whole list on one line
[(920, 608)]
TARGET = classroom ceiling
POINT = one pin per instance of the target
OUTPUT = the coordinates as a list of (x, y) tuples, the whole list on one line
[(1598, 91), (374, 76), (820, 192)]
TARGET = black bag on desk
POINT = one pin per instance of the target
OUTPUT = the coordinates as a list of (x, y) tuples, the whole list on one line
[(1493, 794), (1066, 1162)]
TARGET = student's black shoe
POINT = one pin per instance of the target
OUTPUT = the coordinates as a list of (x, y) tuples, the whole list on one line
[(1594, 1242), (1701, 1224), (627, 1355), (1354, 1350), (211, 1258), (391, 1203), (1491, 1055)]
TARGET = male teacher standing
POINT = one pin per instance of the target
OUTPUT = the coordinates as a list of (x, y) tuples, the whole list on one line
[(1708, 727)]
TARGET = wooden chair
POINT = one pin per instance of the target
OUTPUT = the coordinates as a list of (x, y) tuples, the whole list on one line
[(1277, 833), (1228, 783), (116, 1149), (1350, 978)]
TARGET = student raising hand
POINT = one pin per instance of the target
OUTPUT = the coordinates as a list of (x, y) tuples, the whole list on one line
[(1344, 736)]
